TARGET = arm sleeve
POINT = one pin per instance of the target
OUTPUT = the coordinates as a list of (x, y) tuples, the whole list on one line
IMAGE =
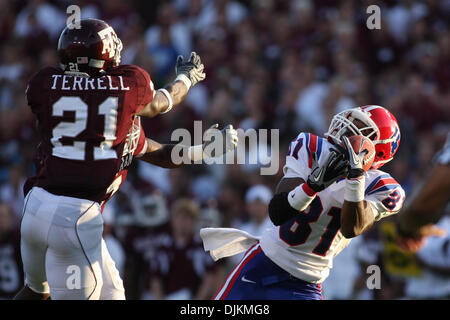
[(385, 196), (145, 88)]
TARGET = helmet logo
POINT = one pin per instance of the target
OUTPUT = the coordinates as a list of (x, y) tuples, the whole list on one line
[(394, 143), (109, 39)]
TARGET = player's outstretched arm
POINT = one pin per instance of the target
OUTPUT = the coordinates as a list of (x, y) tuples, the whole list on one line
[(162, 154), (188, 73), (428, 203), (159, 154), (165, 99), (416, 222)]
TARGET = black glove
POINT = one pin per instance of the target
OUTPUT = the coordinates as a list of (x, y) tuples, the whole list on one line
[(334, 168), (191, 69), (280, 210)]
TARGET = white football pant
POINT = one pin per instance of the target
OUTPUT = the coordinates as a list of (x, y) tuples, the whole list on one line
[(63, 251)]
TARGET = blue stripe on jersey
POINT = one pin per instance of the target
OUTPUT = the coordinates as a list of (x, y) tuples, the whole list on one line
[(307, 144), (374, 182), (319, 146)]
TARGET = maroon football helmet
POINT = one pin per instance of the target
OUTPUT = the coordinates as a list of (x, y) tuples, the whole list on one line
[(91, 49)]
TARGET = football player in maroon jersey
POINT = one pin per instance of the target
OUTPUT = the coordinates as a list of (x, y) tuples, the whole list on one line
[(87, 114)]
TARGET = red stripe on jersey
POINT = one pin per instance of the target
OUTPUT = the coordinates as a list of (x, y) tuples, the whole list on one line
[(312, 147), (383, 182)]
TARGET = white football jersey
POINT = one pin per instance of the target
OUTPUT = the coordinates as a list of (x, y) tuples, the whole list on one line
[(306, 244)]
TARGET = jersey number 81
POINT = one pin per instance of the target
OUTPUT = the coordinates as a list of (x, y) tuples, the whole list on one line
[(297, 230)]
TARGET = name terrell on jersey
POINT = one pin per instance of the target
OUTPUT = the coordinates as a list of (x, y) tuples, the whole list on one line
[(68, 82), (89, 129)]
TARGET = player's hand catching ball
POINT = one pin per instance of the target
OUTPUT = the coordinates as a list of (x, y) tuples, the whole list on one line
[(191, 71), (360, 154), (229, 141)]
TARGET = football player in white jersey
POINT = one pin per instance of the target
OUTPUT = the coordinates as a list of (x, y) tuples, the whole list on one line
[(324, 199)]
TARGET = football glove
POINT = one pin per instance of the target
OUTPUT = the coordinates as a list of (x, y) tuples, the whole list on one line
[(355, 161), (334, 168), (229, 141), (191, 71)]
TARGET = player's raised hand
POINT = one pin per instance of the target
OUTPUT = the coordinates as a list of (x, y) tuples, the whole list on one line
[(415, 241), (191, 71), (355, 160), (334, 168), (229, 140), (360, 153)]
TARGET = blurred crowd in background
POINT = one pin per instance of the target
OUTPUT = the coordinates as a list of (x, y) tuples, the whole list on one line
[(285, 64)]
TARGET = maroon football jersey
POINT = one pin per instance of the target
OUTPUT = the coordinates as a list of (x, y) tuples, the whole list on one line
[(89, 131)]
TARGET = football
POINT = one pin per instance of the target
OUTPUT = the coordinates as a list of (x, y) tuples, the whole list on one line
[(361, 144)]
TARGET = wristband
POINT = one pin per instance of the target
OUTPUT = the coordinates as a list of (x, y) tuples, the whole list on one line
[(195, 153), (169, 98), (354, 189), (301, 197), (184, 79)]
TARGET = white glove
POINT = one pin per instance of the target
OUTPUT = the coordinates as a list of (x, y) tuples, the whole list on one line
[(355, 160), (229, 141), (191, 71)]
